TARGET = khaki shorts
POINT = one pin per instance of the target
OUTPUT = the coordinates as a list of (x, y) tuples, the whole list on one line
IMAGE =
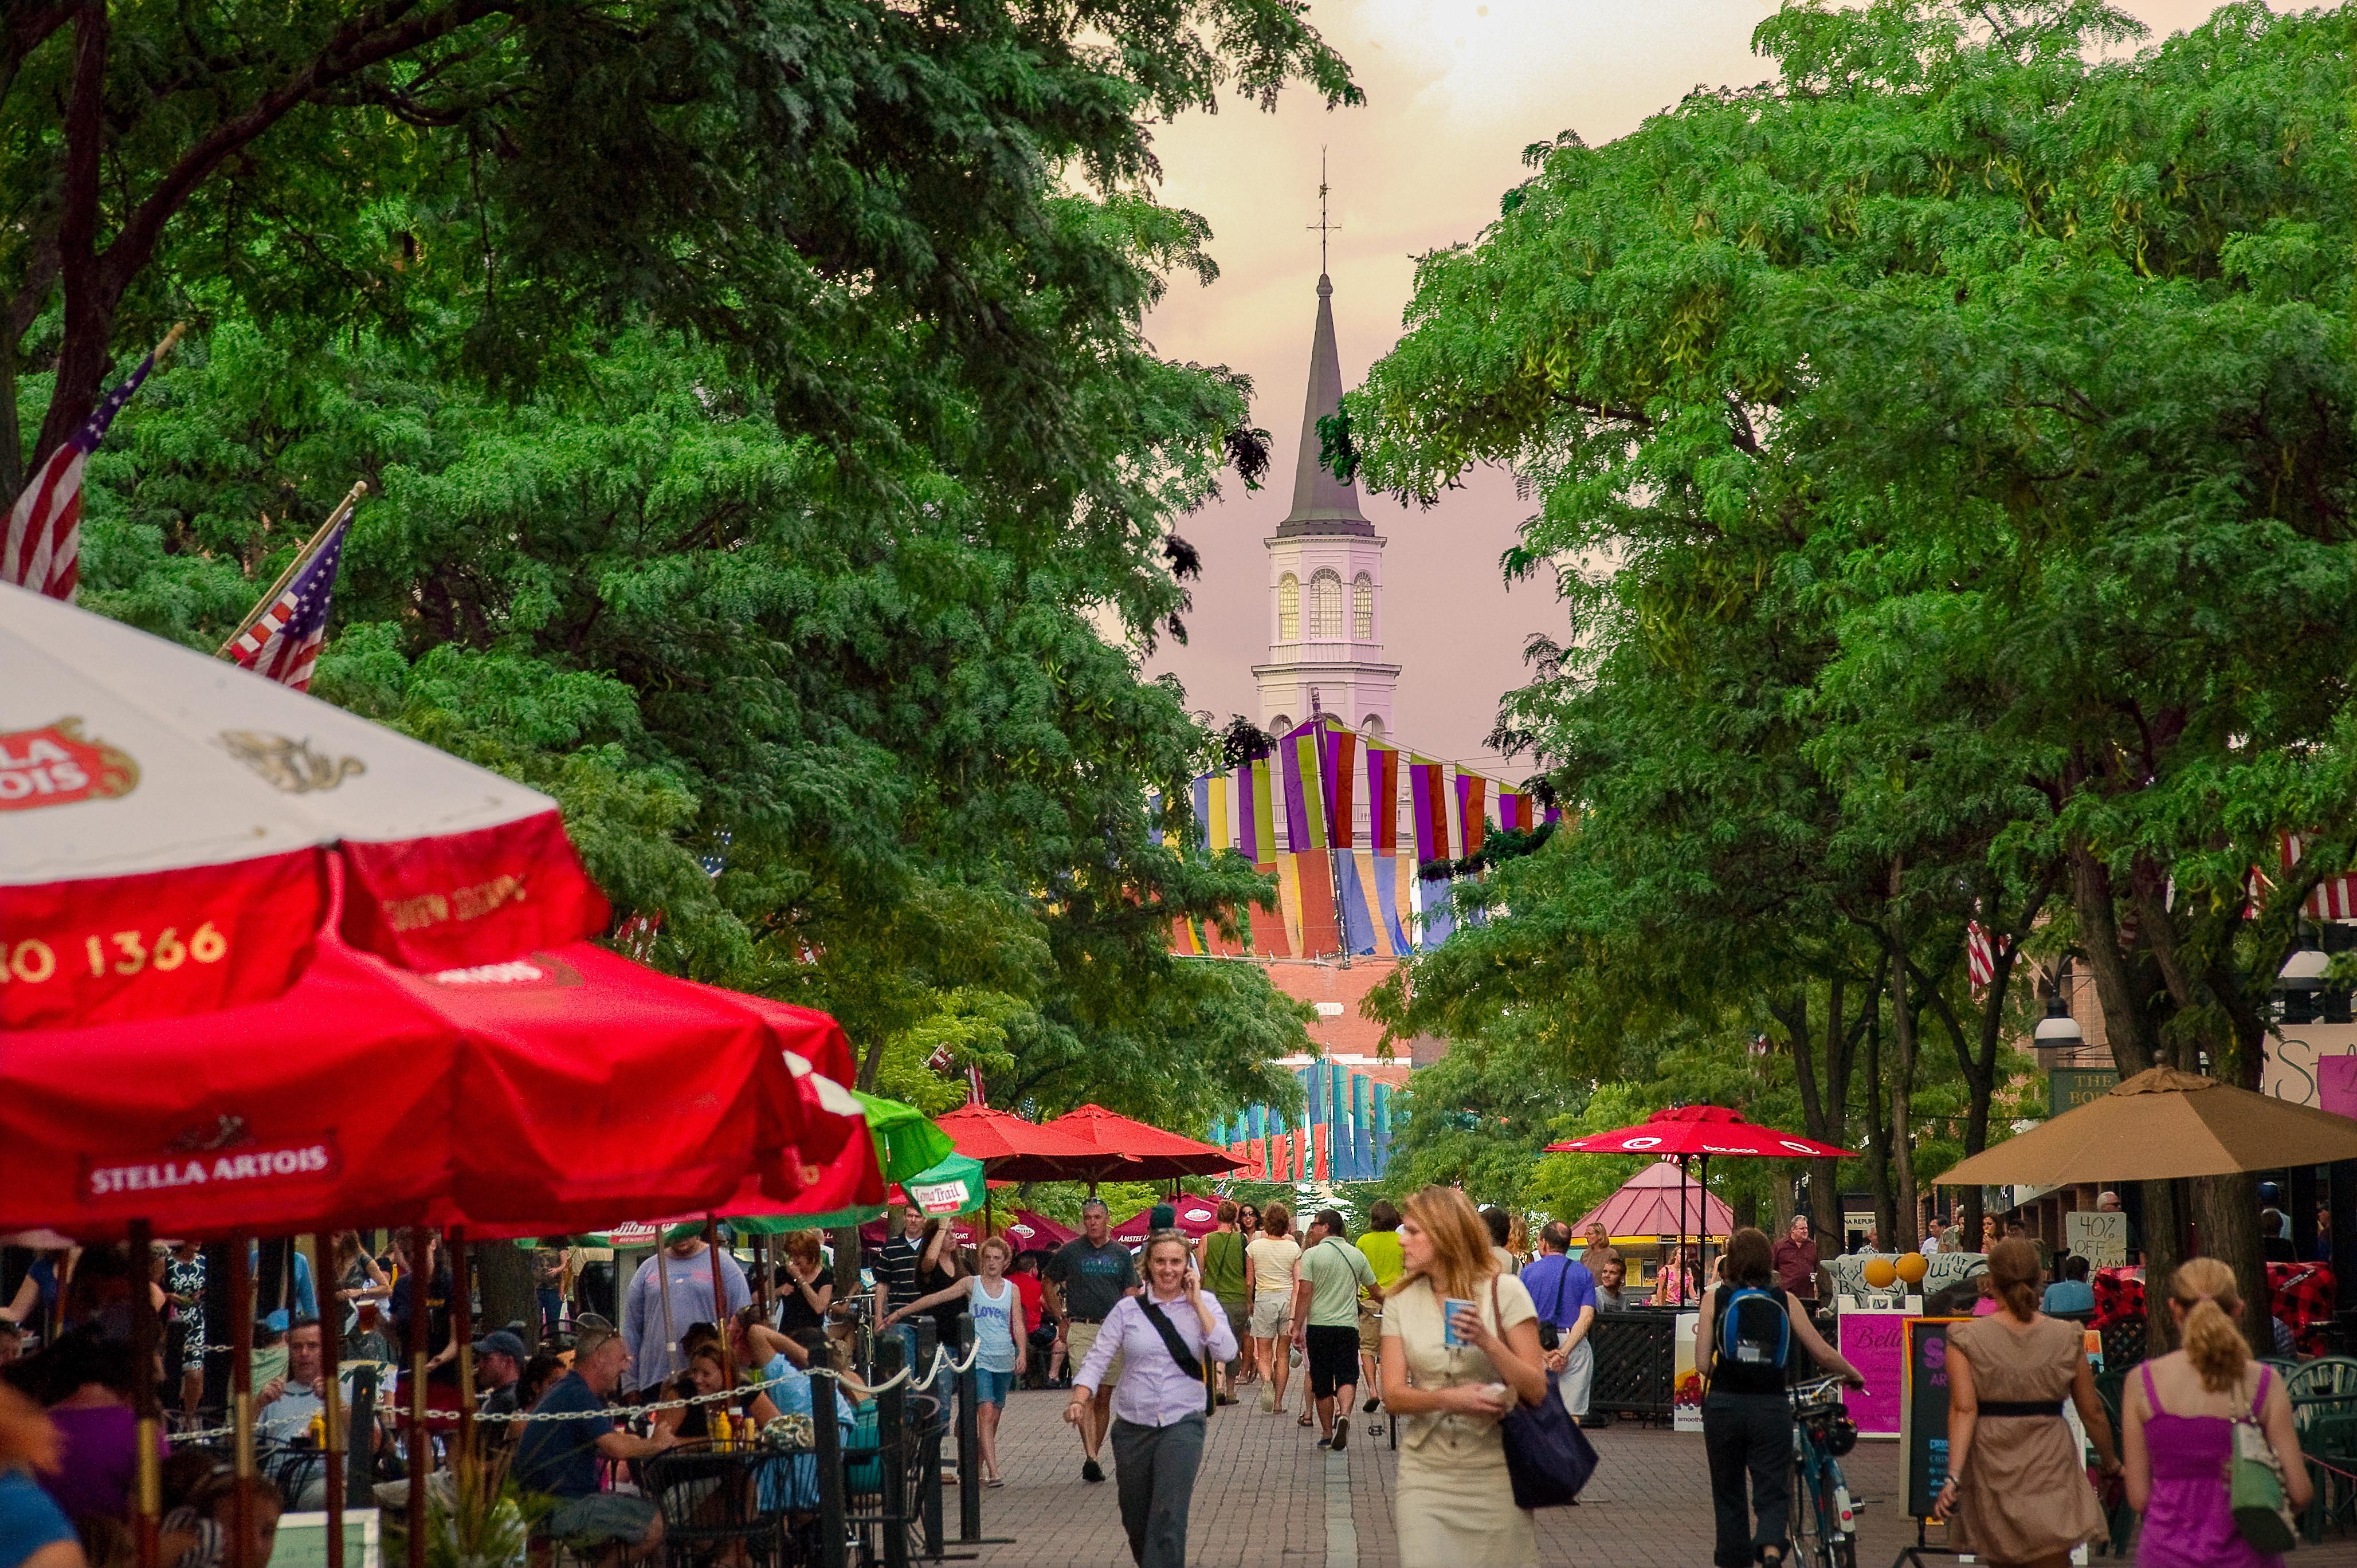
[(1271, 1311), (1371, 1329), (1080, 1339)]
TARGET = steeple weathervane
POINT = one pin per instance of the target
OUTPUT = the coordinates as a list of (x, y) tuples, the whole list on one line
[(1323, 228)]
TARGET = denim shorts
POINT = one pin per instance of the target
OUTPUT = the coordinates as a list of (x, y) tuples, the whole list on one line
[(990, 1388), (602, 1516)]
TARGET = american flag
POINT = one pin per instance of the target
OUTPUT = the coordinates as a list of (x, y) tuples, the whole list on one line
[(43, 549), (973, 1090), (282, 642), (1980, 954)]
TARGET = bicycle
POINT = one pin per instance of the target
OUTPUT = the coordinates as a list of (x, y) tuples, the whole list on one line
[(1825, 1519)]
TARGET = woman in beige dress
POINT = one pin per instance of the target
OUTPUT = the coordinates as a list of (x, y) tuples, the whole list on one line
[(1455, 1503), (2016, 1492)]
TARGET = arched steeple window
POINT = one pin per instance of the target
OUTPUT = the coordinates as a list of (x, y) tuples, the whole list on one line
[(1326, 608), (1363, 609), (1288, 608)]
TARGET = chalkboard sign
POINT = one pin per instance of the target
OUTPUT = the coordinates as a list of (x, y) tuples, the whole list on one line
[(1924, 1417)]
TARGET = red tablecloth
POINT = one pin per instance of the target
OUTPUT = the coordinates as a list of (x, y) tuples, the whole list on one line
[(2301, 1295)]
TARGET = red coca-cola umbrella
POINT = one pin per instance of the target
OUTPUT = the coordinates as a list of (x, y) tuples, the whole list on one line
[(559, 1090), (1196, 1217), (1698, 1132), (169, 821), (1702, 1130), (1132, 1151)]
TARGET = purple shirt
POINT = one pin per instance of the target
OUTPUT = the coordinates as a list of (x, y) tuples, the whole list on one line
[(1559, 1288), (1154, 1391), (101, 1459)]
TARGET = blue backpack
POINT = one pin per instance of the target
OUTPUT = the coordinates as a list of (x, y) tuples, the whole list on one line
[(1754, 1331)]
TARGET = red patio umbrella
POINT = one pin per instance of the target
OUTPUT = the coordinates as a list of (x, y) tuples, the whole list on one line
[(560, 1091), (168, 823), (1013, 1149), (1133, 1151), (1196, 1217), (1698, 1132), (1030, 1231)]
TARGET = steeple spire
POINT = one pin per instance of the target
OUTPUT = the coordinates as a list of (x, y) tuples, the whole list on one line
[(1322, 503)]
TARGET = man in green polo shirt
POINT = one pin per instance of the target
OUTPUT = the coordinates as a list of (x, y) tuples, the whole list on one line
[(1380, 1243), (1326, 1321)]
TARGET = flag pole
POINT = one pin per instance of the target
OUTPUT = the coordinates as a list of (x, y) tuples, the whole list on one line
[(351, 498)]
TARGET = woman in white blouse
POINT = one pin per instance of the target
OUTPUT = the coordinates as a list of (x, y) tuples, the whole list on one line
[(1159, 1405)]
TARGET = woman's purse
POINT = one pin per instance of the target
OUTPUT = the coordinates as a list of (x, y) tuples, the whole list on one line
[(2255, 1482), (1548, 1458)]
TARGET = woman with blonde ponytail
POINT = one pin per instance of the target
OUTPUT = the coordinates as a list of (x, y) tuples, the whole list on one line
[(2017, 1491), (2177, 1421)]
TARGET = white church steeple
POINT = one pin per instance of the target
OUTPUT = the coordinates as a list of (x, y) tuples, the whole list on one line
[(1326, 579)]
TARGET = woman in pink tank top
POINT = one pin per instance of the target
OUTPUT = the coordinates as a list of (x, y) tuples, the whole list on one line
[(2177, 1415)]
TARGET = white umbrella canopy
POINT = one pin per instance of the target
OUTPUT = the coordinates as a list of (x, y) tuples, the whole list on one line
[(173, 831)]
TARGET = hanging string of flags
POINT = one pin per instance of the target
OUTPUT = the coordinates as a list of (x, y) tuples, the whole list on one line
[(1319, 811)]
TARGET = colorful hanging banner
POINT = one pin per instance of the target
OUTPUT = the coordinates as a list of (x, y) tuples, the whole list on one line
[(1383, 797), (1428, 810), (1358, 934), (1472, 811), (1305, 813), (1337, 747)]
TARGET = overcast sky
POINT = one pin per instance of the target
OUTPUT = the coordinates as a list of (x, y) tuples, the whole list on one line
[(1455, 89)]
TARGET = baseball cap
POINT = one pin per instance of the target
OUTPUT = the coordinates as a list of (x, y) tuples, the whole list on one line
[(499, 1341)]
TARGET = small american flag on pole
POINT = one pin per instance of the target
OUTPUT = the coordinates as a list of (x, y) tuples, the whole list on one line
[(43, 548), (283, 642), (1980, 954)]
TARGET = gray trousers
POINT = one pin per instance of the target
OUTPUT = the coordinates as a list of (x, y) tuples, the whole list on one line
[(1154, 1470), (1579, 1375)]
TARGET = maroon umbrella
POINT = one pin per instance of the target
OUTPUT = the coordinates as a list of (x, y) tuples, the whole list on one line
[(1012, 1149), (1133, 1151), (1196, 1218)]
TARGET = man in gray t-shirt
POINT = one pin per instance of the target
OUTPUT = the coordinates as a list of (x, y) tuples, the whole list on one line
[(1086, 1279)]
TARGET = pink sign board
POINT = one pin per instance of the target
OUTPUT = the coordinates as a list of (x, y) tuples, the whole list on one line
[(1876, 1343), (2336, 1084)]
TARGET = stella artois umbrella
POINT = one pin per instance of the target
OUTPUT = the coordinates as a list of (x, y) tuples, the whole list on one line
[(560, 1091), (167, 821)]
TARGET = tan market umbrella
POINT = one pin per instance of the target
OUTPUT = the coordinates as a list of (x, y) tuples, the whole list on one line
[(2161, 1125)]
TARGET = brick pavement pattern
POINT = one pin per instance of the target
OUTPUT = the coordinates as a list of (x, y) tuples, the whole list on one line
[(1266, 1491)]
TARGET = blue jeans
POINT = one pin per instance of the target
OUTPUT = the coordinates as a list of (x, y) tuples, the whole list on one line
[(551, 1310)]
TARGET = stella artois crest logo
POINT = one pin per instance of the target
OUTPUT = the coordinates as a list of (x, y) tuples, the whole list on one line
[(54, 766)]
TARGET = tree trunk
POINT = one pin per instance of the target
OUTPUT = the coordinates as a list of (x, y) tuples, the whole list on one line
[(1877, 1126), (2226, 1213), (1902, 1084), (511, 1290), (2163, 1243)]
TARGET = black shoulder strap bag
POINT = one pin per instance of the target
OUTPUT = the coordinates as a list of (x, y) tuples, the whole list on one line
[(1548, 1458), (1188, 1361)]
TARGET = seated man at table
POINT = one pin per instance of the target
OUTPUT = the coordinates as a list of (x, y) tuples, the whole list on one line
[(2072, 1292), (560, 1458)]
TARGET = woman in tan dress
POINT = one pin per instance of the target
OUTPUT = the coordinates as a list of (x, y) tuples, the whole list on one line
[(1454, 1501), (2016, 1492)]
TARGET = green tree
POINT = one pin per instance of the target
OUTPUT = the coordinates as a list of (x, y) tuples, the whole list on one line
[(1960, 424)]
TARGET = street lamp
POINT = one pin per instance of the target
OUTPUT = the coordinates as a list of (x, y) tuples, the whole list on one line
[(2057, 1028)]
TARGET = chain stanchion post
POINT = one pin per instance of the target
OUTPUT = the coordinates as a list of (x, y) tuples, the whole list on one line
[(827, 1443), (929, 1451), (420, 1446), (241, 1382), (892, 1439), (969, 1437), (148, 1431)]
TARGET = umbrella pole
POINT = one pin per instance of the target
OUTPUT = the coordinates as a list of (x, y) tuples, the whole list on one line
[(150, 1410), (462, 1329), (421, 1447), (240, 1398), (331, 1356), (720, 1306)]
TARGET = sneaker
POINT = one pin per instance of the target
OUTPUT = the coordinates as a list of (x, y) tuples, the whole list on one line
[(1092, 1471), (1267, 1398), (1325, 1443), (1341, 1433), (1369, 1407)]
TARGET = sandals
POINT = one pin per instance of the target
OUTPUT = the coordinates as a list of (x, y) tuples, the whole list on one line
[(1306, 1420)]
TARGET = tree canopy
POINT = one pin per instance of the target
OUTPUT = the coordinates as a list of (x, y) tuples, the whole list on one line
[(766, 459), (1943, 452)]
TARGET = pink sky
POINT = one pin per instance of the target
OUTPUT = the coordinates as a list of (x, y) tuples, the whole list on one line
[(1455, 89)]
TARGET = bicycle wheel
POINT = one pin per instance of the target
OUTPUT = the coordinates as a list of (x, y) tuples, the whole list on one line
[(1805, 1526)]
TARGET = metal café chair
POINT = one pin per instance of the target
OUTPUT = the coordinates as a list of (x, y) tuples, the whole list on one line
[(711, 1509)]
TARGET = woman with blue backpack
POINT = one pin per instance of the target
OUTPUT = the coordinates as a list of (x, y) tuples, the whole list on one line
[(1747, 1343)]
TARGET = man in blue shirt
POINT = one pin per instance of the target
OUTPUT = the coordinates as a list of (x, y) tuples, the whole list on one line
[(560, 1458), (1565, 1293), (2072, 1292)]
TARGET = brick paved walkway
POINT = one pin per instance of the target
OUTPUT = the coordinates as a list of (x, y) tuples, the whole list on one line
[(1266, 1495)]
